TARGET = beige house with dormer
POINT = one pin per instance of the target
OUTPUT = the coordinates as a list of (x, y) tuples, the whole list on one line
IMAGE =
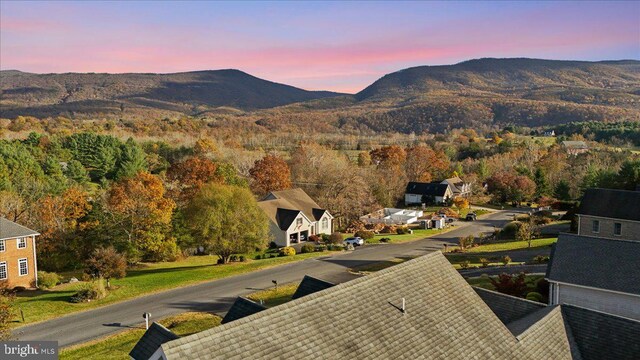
[(294, 216)]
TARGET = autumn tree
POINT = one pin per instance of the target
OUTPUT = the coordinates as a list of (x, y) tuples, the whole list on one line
[(507, 186), (106, 263), (423, 164), (389, 157), (188, 176), (140, 210), (364, 159), (205, 147), (270, 173), (218, 217), (6, 312), (58, 218), (526, 232)]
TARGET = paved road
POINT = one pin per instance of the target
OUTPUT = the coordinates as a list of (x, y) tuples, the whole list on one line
[(217, 296)]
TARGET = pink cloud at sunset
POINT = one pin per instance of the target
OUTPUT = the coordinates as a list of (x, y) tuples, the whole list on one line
[(306, 45)]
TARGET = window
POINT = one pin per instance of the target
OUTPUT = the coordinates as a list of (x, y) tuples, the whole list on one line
[(22, 243), (595, 226), (2, 244), (3, 270), (23, 268), (299, 222), (617, 228), (325, 224)]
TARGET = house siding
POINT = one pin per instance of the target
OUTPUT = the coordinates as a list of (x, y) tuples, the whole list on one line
[(614, 303), (11, 255), (630, 229), (321, 230), (295, 229)]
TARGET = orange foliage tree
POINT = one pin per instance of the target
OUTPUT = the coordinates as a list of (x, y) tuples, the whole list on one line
[(190, 175), (423, 164), (388, 156), (269, 174), (57, 218), (141, 211)]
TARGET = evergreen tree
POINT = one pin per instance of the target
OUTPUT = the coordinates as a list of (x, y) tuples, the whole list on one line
[(562, 191), (132, 160), (542, 185)]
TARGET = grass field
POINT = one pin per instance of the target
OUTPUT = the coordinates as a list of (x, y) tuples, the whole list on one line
[(513, 245), (117, 346), (47, 304), (273, 297), (417, 235)]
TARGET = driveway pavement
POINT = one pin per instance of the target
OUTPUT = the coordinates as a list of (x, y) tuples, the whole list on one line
[(217, 296)]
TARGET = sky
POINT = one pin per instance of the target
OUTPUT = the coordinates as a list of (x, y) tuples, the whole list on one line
[(339, 46)]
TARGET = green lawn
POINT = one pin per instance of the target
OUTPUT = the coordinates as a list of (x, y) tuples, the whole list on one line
[(118, 346), (417, 235), (273, 297), (148, 278), (512, 245)]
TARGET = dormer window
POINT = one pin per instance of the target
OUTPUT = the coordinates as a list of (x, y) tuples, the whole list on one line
[(22, 243), (325, 223), (299, 221)]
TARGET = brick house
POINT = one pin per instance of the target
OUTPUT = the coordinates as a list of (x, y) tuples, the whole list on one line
[(18, 265)]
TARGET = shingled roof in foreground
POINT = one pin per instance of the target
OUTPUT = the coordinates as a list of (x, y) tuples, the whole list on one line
[(362, 319)]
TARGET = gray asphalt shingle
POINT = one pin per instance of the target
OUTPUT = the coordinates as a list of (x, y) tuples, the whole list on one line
[(595, 262), (11, 230)]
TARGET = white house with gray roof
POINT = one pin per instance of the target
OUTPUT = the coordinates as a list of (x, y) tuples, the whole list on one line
[(596, 273), (294, 217)]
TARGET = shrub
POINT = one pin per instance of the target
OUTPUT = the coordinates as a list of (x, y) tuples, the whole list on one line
[(315, 238), (106, 263), (510, 284), (365, 234), (273, 245), (402, 230), (220, 262), (307, 248), (505, 260), (287, 251), (335, 247), (321, 248), (92, 291), (522, 217), (355, 226), (385, 240), (233, 258), (511, 229), (241, 258), (466, 241), (465, 264), (335, 238), (540, 259), (535, 296), (325, 238), (47, 280), (258, 257), (542, 287), (389, 229), (542, 220), (350, 247), (484, 262)]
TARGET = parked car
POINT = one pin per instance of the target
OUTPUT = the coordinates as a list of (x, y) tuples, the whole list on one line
[(470, 217), (449, 220), (355, 241)]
